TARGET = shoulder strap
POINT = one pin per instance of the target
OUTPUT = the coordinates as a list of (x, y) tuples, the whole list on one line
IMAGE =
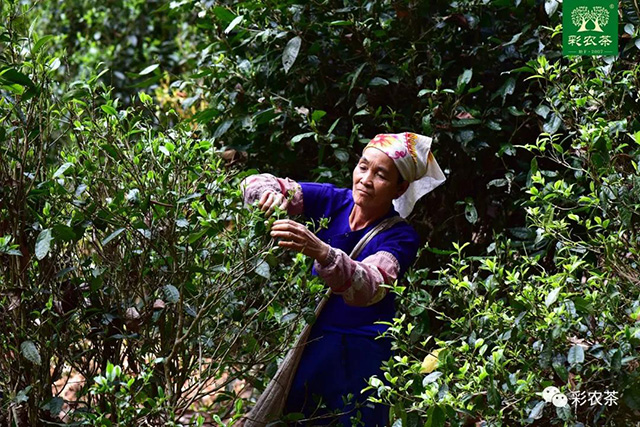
[(384, 225)]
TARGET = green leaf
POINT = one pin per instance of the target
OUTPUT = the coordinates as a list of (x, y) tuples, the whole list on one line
[(576, 355), (112, 236), (631, 398), (233, 24), (522, 233), (109, 110), (171, 294), (301, 136), (54, 64), (464, 78), (507, 88), (194, 237), (43, 243), (40, 43), (497, 183), (431, 378), (144, 98), (61, 170), (550, 6), (23, 395), (223, 128), (205, 116), (263, 269), (13, 76), (616, 360), (30, 352), (54, 406), (515, 112), (291, 53), (552, 297), (190, 197), (435, 417), (340, 23), (356, 75), (553, 124), (341, 155), (148, 69), (147, 82), (379, 81), (223, 14), (471, 213), (63, 233), (333, 126), (536, 412), (318, 115), (465, 122), (542, 110)]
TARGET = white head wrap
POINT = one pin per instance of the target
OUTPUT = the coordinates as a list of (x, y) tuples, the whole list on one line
[(412, 155)]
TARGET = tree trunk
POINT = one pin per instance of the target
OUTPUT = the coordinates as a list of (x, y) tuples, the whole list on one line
[(583, 26), (597, 26)]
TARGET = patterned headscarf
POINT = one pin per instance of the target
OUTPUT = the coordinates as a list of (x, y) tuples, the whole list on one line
[(412, 155)]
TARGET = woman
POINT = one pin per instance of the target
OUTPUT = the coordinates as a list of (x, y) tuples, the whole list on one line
[(342, 351)]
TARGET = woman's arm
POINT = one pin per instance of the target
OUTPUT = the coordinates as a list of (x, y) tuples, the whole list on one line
[(271, 191), (359, 282)]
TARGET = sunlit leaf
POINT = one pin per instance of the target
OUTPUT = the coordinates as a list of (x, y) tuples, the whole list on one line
[(233, 24), (263, 269), (61, 170), (30, 352), (43, 243), (112, 236), (148, 69), (576, 355), (171, 293), (291, 53)]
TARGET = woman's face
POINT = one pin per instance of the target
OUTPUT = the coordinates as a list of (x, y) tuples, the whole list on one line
[(375, 180)]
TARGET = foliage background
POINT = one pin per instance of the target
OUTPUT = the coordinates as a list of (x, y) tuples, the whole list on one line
[(156, 106)]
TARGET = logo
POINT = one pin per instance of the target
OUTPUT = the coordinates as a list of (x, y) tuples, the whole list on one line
[(597, 15), (552, 395), (577, 398), (589, 27)]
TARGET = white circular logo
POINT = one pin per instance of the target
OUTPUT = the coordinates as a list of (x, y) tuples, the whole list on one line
[(549, 392), (559, 400), (552, 394)]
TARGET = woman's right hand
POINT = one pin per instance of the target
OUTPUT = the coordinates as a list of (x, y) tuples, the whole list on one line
[(271, 199)]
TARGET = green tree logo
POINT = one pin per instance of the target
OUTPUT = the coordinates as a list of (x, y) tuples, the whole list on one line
[(582, 15)]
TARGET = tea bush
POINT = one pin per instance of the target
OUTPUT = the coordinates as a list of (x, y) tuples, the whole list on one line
[(554, 303), (126, 243)]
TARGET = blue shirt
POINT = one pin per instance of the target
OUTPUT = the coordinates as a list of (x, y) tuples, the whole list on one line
[(401, 240)]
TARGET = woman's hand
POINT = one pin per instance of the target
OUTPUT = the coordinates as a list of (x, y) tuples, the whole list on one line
[(293, 235), (271, 199)]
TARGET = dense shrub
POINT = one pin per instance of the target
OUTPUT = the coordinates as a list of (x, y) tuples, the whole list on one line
[(555, 303), (124, 243)]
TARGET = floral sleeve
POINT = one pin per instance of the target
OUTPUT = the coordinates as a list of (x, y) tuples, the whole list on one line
[(255, 186), (359, 282)]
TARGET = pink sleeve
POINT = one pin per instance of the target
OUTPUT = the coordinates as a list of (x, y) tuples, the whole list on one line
[(359, 282), (255, 186)]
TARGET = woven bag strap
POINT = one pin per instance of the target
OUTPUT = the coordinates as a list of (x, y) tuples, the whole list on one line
[(384, 225)]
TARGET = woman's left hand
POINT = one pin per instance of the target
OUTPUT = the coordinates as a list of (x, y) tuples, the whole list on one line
[(293, 235)]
